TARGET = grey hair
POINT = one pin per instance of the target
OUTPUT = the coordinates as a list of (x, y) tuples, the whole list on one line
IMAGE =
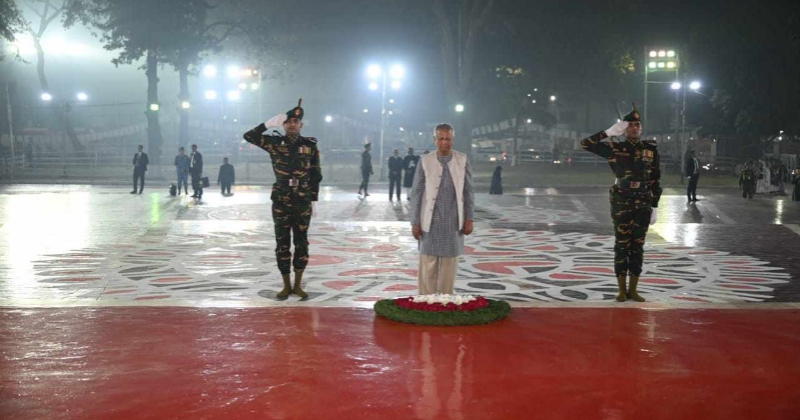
[(443, 127)]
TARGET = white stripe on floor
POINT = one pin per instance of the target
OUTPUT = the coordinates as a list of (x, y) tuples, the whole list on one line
[(793, 228), (719, 214), (579, 205)]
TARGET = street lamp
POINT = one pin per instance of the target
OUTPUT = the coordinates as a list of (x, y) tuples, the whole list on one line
[(185, 105), (366, 111), (459, 108), (552, 98), (154, 107), (234, 95), (328, 118), (47, 97), (82, 97), (254, 86), (695, 87), (378, 76), (209, 71), (233, 71), (210, 95)]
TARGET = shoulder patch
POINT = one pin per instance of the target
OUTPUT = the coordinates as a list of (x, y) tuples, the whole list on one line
[(311, 139), (651, 143)]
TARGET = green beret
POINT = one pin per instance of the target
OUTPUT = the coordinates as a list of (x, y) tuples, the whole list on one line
[(632, 116), (296, 112)]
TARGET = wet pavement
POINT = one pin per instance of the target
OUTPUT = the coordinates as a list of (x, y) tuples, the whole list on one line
[(147, 306), (82, 245)]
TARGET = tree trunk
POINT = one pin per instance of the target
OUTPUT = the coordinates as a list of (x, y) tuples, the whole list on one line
[(183, 135), (62, 112), (40, 65), (154, 138)]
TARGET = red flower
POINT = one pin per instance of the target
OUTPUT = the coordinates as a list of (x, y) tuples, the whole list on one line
[(407, 303)]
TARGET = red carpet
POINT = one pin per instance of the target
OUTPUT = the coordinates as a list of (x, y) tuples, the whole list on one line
[(341, 363)]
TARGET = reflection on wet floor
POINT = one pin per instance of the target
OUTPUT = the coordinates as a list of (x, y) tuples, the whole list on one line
[(76, 244)]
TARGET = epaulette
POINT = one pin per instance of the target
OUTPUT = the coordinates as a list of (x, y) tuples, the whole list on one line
[(311, 139), (650, 143)]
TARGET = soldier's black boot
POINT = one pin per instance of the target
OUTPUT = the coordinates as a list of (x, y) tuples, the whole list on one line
[(298, 278), (287, 286), (632, 290), (621, 297)]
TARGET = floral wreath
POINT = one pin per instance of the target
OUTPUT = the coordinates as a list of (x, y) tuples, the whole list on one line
[(444, 310)]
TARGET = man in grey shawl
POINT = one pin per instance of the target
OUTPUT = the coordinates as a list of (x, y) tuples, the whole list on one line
[(442, 203)]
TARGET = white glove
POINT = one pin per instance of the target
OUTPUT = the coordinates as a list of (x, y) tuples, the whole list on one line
[(276, 121), (654, 216), (617, 129), (313, 208)]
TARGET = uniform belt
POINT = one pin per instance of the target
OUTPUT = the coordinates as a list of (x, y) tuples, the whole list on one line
[(631, 185), (290, 182)]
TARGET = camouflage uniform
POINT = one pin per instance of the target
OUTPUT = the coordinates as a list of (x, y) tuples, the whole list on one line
[(747, 182), (635, 193), (295, 161)]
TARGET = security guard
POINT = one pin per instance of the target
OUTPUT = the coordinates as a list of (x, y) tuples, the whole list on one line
[(295, 161), (634, 196)]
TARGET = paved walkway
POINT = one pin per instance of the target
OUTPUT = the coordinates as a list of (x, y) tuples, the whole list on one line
[(68, 246)]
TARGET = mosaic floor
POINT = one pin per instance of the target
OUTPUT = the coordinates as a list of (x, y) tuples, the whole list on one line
[(67, 246)]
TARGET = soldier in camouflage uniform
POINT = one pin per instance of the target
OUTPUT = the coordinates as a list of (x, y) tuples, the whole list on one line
[(634, 196), (295, 160), (747, 181)]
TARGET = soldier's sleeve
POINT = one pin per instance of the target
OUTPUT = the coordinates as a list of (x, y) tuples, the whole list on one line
[(316, 174), (593, 144), (256, 136), (655, 177)]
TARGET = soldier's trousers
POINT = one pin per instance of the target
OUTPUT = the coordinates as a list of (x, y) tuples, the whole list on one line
[(630, 228), (748, 189), (291, 219)]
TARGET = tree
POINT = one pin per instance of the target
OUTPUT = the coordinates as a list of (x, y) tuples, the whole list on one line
[(11, 22), (461, 26), (150, 29), (48, 11)]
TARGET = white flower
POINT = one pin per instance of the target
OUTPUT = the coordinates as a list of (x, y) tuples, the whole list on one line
[(443, 299)]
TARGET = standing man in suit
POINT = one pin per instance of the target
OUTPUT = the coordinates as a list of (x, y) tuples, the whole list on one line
[(693, 173), (196, 171), (140, 162), (395, 174), (410, 167), (366, 169), (226, 177)]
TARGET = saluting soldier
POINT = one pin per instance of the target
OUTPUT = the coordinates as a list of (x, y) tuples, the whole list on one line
[(295, 161), (634, 196)]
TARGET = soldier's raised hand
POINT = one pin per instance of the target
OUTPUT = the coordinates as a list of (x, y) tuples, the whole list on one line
[(617, 129), (276, 121)]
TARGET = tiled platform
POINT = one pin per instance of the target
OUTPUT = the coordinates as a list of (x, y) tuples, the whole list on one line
[(102, 246)]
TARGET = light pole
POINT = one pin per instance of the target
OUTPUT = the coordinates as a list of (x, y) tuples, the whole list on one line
[(695, 87), (375, 73), (659, 61)]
